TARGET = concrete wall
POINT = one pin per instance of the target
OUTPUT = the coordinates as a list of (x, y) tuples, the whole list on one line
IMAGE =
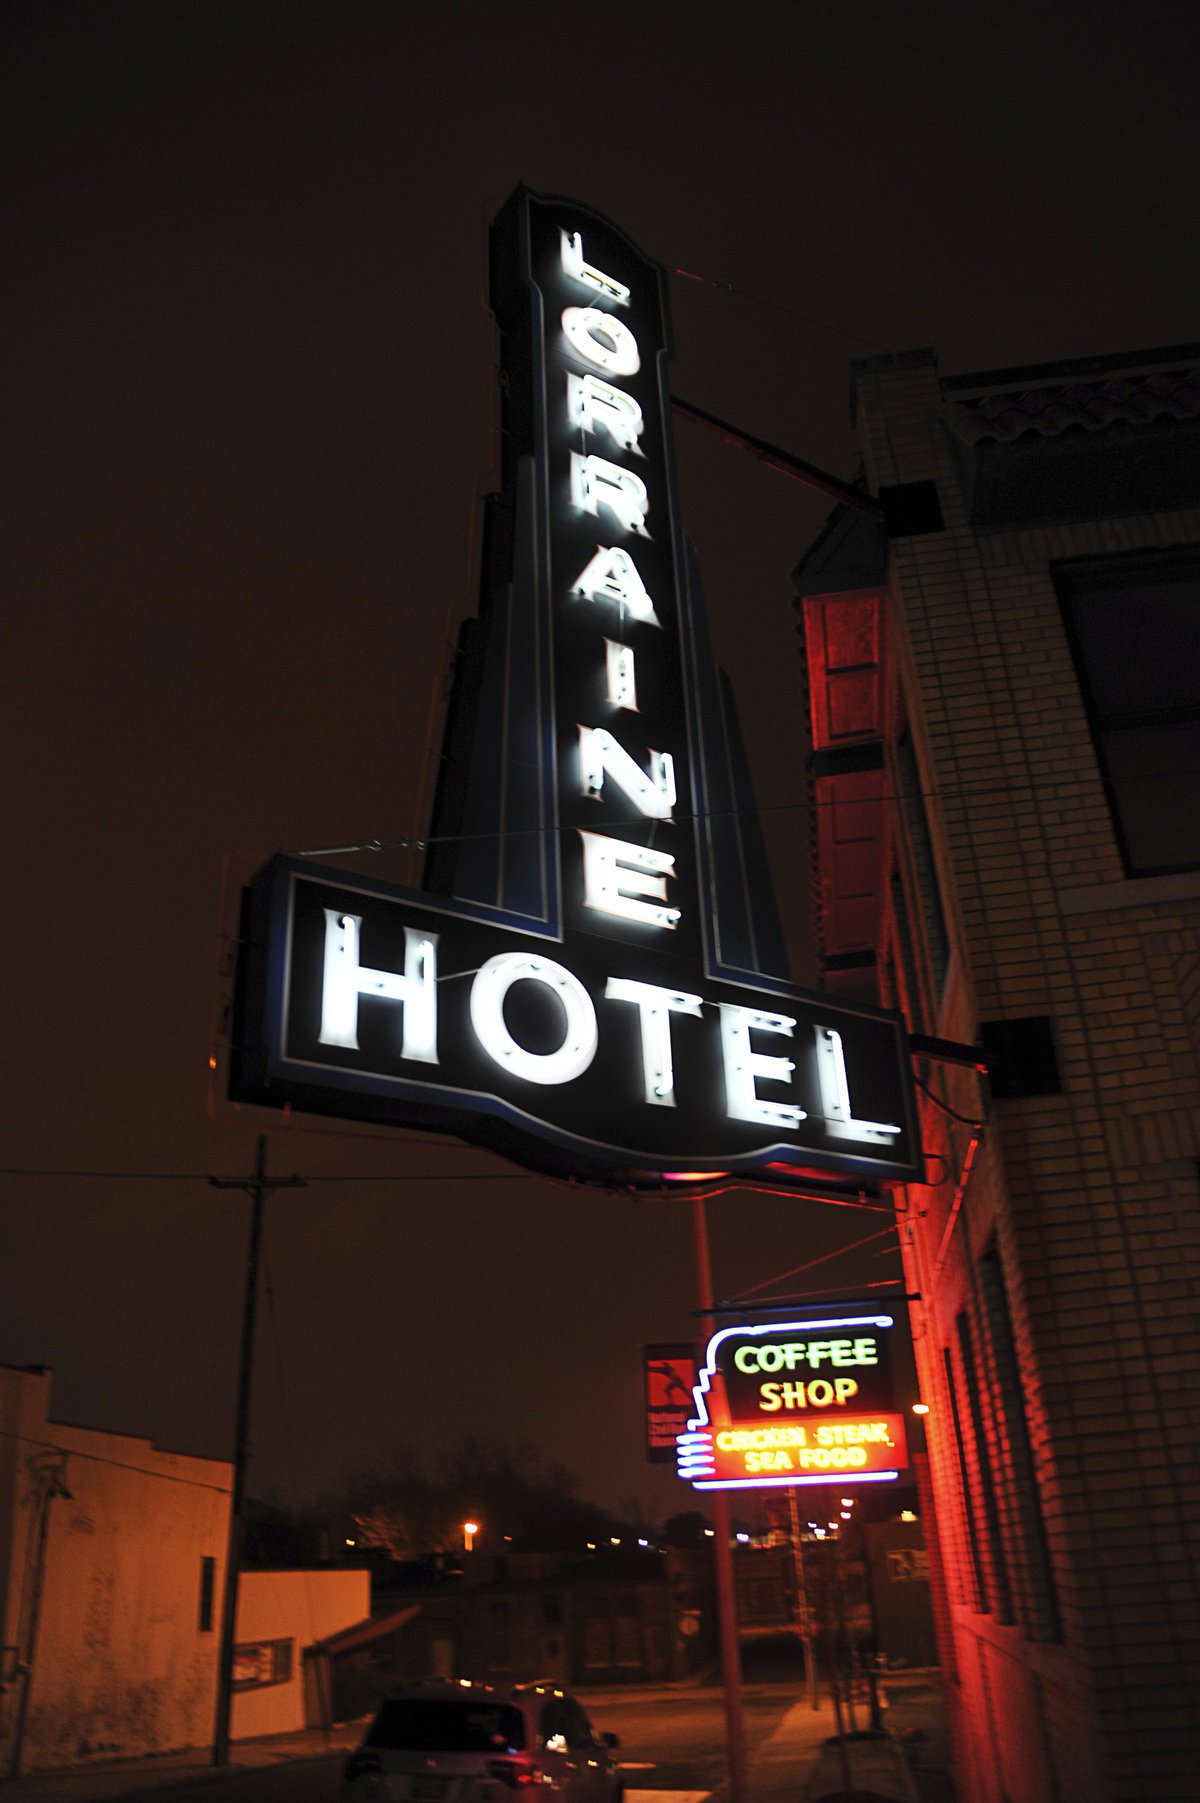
[(106, 1656), (288, 1609)]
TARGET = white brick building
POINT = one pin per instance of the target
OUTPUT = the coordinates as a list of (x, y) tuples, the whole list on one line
[(1005, 689)]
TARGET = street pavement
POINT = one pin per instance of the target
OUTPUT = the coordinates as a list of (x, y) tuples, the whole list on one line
[(672, 1746)]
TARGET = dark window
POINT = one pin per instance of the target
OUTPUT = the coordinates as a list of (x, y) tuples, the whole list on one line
[(1040, 1603), (429, 1725), (924, 867), (627, 1640), (499, 1636), (597, 1641), (257, 1663), (964, 1477), (1134, 627), (907, 994), (1020, 1055), (554, 1725), (910, 508), (983, 1467), (208, 1581), (579, 1729), (565, 1726)]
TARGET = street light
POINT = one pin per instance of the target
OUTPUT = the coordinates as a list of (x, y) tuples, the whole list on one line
[(470, 1529)]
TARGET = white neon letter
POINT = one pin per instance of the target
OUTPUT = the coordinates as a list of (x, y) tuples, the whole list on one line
[(612, 575), (592, 404), (604, 342), (601, 755), (579, 271), (597, 483), (616, 872), (743, 1066), (655, 1007), (835, 1094), (619, 668), (493, 982), (345, 979)]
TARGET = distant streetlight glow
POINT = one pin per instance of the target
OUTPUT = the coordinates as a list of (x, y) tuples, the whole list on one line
[(470, 1529)]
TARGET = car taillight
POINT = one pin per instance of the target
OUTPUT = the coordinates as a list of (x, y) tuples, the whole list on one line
[(515, 1772), (359, 1764)]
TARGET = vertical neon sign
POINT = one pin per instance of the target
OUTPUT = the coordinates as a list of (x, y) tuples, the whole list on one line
[(589, 979)]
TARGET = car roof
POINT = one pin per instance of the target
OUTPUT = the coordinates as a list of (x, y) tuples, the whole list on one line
[(448, 1689)]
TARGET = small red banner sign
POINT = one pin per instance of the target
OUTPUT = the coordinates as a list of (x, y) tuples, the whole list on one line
[(669, 1378)]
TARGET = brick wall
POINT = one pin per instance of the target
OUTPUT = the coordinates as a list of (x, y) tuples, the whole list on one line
[(1057, 1337)]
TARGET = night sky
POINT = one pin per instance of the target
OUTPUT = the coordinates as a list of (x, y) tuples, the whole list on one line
[(250, 398)]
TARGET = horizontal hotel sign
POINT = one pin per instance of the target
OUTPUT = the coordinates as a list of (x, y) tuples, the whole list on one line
[(586, 980), (380, 1004), (800, 1403)]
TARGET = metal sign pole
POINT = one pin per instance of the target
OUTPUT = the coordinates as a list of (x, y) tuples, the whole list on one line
[(731, 1665)]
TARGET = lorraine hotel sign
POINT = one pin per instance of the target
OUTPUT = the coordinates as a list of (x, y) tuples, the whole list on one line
[(588, 980), (799, 1402)]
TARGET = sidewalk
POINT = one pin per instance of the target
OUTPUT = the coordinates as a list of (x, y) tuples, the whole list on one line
[(803, 1762), (134, 1777)]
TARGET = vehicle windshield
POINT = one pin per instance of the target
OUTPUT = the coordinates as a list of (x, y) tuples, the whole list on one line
[(444, 1725)]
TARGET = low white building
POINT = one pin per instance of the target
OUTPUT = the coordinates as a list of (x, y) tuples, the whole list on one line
[(112, 1555), (279, 1615), (112, 1573)]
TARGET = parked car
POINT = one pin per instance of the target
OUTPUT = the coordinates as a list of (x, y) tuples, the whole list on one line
[(455, 1741)]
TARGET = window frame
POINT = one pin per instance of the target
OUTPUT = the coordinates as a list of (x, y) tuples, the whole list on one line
[(1074, 580), (206, 1611), (281, 1663)]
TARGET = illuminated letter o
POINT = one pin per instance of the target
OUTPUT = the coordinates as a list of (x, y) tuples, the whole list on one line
[(493, 982), (601, 340)]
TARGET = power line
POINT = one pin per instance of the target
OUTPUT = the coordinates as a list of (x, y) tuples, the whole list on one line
[(964, 792), (96, 1458), (760, 300)]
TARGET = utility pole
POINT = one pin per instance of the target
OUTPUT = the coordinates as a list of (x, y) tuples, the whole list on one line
[(731, 1661), (258, 1188), (806, 1618)]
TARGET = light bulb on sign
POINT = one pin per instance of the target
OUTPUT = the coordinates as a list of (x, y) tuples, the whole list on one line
[(619, 669)]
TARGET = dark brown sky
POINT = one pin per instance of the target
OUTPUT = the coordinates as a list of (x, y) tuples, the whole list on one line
[(249, 403)]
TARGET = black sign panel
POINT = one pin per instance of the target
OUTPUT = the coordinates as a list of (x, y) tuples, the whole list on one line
[(581, 983)]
